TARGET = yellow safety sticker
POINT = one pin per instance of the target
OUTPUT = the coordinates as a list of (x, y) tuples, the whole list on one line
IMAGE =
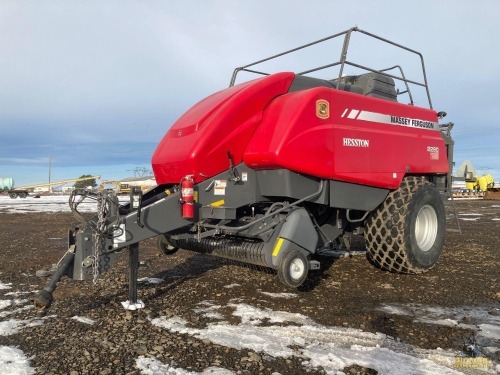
[(195, 196), (217, 203), (277, 247)]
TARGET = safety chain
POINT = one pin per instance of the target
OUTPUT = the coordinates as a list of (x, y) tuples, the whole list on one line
[(98, 234)]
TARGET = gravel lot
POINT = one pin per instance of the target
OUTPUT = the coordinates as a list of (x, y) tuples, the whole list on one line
[(205, 315)]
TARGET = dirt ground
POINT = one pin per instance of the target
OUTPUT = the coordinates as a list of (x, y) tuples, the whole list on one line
[(347, 292)]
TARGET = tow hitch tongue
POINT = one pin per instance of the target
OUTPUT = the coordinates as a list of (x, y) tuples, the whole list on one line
[(44, 297), (93, 245)]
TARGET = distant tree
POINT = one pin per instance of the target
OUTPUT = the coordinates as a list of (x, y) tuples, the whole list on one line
[(85, 183)]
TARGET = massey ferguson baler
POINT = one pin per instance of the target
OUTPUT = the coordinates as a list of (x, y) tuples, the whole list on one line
[(272, 171)]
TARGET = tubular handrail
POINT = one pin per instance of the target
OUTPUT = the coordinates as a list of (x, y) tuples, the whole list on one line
[(343, 61), (404, 79)]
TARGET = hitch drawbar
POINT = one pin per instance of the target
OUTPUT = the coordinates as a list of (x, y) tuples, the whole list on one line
[(44, 297)]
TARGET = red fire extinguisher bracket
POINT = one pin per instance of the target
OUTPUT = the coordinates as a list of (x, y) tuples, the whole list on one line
[(187, 197)]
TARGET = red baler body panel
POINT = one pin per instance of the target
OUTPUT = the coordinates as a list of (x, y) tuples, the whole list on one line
[(363, 140), (198, 142), (358, 142)]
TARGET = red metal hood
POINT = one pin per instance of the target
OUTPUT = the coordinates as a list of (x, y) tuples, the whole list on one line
[(198, 142)]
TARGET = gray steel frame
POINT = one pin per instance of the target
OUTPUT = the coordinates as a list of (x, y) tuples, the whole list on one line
[(163, 215)]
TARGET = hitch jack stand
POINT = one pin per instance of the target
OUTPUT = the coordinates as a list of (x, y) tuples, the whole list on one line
[(133, 260)]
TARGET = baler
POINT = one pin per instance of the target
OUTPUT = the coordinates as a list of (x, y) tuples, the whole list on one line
[(275, 170)]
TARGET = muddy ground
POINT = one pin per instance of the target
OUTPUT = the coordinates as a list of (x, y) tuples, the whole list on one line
[(347, 292)]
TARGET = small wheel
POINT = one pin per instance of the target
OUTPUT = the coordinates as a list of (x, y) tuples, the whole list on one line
[(293, 268), (23, 195), (13, 195), (165, 247)]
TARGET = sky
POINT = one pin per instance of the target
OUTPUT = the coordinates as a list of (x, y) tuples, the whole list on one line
[(94, 85)]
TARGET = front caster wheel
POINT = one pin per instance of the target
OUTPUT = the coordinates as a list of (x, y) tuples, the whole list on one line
[(165, 247), (293, 268)]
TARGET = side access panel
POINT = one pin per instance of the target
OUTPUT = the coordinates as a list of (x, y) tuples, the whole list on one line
[(356, 197), (289, 184), (339, 194)]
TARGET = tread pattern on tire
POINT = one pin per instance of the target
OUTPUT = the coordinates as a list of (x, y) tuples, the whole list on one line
[(384, 230)]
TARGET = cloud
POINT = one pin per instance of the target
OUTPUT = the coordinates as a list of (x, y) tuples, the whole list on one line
[(23, 161), (101, 82)]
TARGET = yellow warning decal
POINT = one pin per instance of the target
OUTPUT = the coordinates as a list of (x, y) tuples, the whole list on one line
[(277, 247), (217, 203), (322, 109)]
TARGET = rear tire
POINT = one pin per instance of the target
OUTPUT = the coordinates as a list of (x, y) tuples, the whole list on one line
[(293, 268), (406, 232)]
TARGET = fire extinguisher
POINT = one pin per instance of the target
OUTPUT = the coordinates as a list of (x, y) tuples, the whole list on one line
[(187, 197)]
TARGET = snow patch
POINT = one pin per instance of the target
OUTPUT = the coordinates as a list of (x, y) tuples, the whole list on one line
[(151, 366), (279, 295), (12, 326), (484, 320), (3, 314), (11, 302), (151, 280), (5, 286), (49, 203), (491, 331), (332, 348), (17, 293), (14, 362), (232, 286), (83, 319), (210, 311)]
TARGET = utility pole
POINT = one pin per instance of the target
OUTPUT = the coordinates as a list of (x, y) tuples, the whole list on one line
[(50, 162)]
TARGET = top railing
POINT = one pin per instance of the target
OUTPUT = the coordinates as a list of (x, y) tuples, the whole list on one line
[(343, 62)]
